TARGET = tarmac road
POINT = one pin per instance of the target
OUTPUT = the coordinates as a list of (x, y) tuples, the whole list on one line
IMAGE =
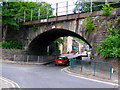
[(46, 76)]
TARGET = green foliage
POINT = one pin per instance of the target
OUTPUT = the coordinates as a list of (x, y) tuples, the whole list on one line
[(80, 40), (27, 6), (16, 43), (110, 47), (111, 29), (34, 28), (60, 41), (10, 12), (88, 24), (100, 20), (84, 6), (5, 45), (13, 44), (106, 10), (0, 44)]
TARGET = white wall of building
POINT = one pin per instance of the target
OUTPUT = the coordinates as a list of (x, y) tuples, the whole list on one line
[(69, 43), (61, 47)]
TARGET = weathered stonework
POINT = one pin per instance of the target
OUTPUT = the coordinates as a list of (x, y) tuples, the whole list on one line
[(71, 24), (9, 53), (114, 62)]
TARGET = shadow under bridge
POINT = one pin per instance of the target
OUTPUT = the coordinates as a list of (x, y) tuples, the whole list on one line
[(38, 46)]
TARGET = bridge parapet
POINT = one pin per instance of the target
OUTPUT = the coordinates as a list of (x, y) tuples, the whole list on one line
[(60, 12), (69, 17)]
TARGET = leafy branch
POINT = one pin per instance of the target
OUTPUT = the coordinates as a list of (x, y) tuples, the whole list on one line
[(88, 24), (106, 10), (34, 28)]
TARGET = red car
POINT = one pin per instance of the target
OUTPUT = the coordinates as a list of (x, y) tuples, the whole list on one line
[(62, 60)]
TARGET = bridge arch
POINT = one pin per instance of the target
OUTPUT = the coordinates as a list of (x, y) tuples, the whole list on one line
[(39, 44)]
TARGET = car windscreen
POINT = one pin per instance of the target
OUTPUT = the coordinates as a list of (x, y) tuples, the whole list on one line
[(61, 58)]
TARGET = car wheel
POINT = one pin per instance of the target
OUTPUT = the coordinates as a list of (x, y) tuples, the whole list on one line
[(67, 64)]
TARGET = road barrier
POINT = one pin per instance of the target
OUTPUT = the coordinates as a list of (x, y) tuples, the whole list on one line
[(33, 58), (96, 68)]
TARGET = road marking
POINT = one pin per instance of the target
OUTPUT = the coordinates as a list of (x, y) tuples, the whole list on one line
[(10, 81), (72, 74)]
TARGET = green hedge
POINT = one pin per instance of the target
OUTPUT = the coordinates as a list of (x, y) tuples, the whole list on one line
[(110, 47), (12, 44)]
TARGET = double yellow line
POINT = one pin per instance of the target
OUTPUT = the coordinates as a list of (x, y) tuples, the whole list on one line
[(14, 84)]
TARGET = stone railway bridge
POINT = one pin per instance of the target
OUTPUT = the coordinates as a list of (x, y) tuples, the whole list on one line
[(48, 30)]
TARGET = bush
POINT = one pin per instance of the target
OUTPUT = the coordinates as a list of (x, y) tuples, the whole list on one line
[(109, 47), (106, 10), (88, 24), (13, 44), (6, 45)]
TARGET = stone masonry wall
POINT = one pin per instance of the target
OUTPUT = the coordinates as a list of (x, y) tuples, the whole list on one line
[(8, 54)]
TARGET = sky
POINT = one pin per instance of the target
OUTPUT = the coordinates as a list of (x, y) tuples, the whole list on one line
[(56, 1)]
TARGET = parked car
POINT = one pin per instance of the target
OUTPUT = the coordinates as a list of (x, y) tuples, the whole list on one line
[(62, 60), (84, 54)]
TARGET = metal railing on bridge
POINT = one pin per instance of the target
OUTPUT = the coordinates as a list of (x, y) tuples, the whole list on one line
[(59, 9), (33, 58), (96, 68)]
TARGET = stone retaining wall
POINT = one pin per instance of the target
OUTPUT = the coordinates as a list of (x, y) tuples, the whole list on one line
[(9, 53), (21, 55), (114, 61)]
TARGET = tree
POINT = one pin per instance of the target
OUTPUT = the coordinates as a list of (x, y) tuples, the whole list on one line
[(11, 10), (84, 6)]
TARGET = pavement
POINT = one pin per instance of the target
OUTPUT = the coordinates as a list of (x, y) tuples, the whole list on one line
[(6, 83), (113, 81), (77, 73), (24, 63)]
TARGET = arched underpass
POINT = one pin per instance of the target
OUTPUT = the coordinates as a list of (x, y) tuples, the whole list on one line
[(38, 46)]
